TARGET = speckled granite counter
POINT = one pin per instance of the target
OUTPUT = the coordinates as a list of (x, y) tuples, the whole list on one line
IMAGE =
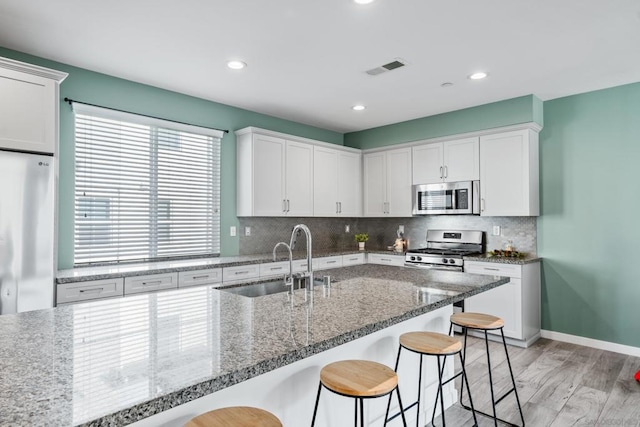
[(116, 361), (139, 269), (503, 260)]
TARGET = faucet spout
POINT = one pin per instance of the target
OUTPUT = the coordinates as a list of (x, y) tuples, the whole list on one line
[(292, 243), (287, 280)]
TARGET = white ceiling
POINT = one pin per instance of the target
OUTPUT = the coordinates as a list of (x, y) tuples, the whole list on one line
[(307, 58)]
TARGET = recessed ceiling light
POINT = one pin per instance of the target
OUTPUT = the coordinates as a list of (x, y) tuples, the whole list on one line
[(478, 76), (358, 107), (236, 65), (363, 1)]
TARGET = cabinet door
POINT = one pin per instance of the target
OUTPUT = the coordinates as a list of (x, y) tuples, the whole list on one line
[(299, 179), (150, 283), (325, 181), (509, 174), (268, 176), (28, 111), (349, 184), (462, 160), (505, 301), (427, 163), (375, 184), (399, 182)]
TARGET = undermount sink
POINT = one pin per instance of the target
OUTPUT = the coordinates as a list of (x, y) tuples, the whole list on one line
[(267, 288)]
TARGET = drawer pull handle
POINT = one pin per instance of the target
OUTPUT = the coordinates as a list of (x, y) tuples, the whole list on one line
[(353, 259), (276, 268), (331, 262), (492, 269), (385, 259), (242, 272), (206, 276), (91, 291), (155, 282)]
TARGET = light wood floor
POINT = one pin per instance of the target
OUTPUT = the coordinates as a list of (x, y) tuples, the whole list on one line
[(559, 384)]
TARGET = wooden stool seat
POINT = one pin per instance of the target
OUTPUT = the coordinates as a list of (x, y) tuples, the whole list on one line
[(430, 343), (236, 416), (359, 378), (477, 321)]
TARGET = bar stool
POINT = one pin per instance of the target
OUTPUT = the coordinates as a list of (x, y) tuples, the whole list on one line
[(235, 416), (486, 322), (441, 346), (360, 379)]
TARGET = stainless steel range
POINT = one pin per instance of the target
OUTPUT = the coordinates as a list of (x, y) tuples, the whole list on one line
[(445, 249)]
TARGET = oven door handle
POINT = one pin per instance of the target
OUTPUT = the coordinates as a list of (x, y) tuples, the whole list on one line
[(433, 266)]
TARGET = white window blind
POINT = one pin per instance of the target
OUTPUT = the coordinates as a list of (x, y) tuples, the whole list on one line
[(145, 188)]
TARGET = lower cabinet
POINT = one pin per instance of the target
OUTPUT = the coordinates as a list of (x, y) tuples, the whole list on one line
[(327, 262), (90, 290), (517, 302), (386, 259), (150, 283), (211, 277), (242, 273), (354, 259), (270, 269)]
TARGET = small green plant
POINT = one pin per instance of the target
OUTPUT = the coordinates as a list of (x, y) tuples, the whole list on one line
[(361, 237)]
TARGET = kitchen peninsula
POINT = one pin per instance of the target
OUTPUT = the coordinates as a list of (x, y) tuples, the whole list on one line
[(160, 358)]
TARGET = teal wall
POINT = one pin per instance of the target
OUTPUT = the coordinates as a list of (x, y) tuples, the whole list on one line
[(589, 230), (100, 89), (514, 111)]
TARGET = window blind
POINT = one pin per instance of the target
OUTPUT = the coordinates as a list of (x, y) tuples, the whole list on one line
[(144, 188)]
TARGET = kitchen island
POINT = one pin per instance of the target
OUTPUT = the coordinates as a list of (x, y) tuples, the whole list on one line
[(157, 359)]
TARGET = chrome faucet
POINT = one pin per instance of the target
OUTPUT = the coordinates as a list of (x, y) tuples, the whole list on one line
[(288, 281), (292, 245)]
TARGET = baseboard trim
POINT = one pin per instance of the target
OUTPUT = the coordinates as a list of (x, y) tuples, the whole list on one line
[(590, 342)]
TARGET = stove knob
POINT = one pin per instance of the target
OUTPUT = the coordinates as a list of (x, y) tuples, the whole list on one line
[(419, 258), (444, 260), (413, 258), (452, 261)]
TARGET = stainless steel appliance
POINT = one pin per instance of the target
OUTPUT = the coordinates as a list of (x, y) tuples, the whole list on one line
[(445, 249), (447, 198), (26, 231)]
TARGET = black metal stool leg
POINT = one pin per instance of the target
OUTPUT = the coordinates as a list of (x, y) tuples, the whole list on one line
[(493, 399), (439, 392), (419, 390), (465, 380), (315, 409), (513, 381), (404, 420), (361, 411)]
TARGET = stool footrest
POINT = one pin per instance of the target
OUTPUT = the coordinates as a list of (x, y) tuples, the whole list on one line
[(490, 416), (400, 413), (505, 395)]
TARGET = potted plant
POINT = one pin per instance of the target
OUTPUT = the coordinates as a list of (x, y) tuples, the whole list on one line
[(361, 238)]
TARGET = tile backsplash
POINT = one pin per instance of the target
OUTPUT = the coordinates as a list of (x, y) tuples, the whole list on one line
[(329, 233)]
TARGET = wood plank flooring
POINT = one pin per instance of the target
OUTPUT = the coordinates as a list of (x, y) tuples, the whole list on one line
[(559, 385)]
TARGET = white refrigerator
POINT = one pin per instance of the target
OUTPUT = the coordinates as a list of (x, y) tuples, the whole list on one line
[(26, 232)]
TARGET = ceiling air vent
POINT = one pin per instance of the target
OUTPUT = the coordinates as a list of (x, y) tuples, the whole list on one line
[(393, 65)]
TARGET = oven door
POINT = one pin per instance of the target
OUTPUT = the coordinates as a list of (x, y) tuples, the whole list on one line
[(448, 198)]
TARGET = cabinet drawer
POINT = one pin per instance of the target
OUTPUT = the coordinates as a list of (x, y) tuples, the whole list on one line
[(383, 259), (212, 276), (94, 289), (150, 283), (493, 269), (355, 259), (241, 273), (299, 265), (327, 262), (274, 268)]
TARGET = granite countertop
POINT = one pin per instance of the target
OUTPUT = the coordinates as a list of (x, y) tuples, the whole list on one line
[(112, 362), (486, 257), (81, 274)]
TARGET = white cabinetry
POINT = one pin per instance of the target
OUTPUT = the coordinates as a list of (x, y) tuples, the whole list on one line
[(274, 176), (240, 274), (449, 161), (354, 259), (517, 302), (28, 107), (387, 183), (211, 276), (89, 290), (269, 269), (150, 283), (509, 174), (385, 259), (324, 263), (337, 178)]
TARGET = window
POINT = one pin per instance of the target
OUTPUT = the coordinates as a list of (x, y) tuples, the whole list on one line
[(144, 188)]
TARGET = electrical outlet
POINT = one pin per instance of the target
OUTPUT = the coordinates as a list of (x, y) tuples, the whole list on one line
[(233, 231), (496, 230), (247, 231), (347, 228), (401, 228)]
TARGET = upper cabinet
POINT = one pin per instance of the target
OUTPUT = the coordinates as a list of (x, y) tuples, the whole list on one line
[(509, 174), (387, 183), (337, 177), (274, 176), (449, 161), (29, 107)]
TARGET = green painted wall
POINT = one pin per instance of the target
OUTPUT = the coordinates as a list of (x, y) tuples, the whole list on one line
[(101, 89), (514, 111), (589, 230)]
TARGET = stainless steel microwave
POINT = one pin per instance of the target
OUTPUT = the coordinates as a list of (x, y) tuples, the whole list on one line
[(447, 198)]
